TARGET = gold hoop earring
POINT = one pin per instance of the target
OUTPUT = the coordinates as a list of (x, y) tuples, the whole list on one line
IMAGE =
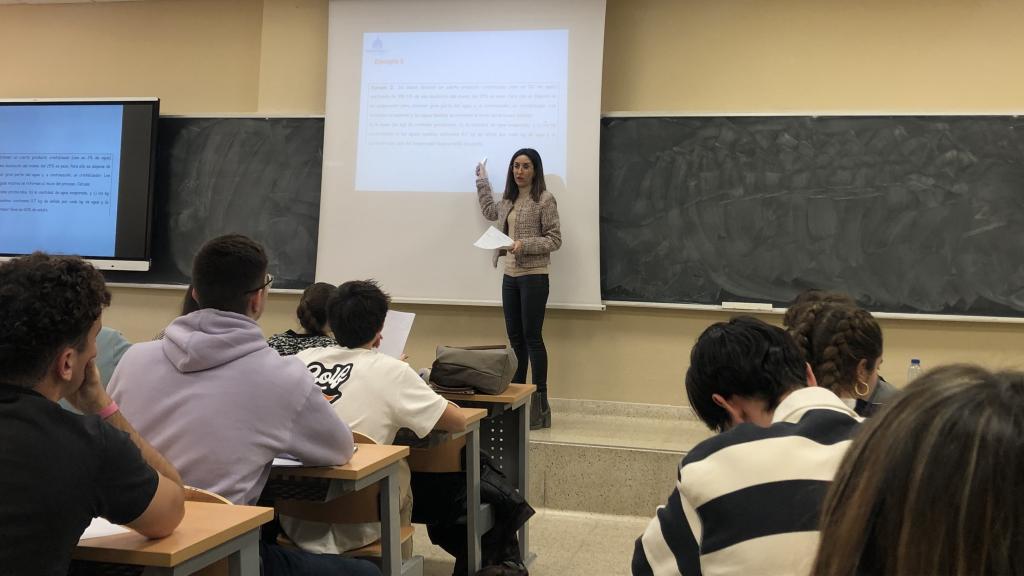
[(857, 391)]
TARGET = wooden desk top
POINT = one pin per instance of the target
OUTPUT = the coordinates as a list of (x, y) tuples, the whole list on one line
[(205, 526), (368, 459), (473, 415), (515, 395)]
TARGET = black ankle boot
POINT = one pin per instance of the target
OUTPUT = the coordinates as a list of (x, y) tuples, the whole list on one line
[(540, 411)]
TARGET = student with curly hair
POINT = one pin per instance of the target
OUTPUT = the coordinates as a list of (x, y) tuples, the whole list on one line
[(312, 315), (60, 469), (932, 485), (814, 301), (843, 345)]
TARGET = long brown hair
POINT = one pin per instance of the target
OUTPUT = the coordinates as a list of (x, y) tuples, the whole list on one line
[(834, 339), (933, 484), (512, 189)]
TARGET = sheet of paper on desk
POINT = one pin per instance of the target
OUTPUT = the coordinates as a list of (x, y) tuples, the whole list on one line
[(100, 527), (289, 462), (397, 326), (493, 238)]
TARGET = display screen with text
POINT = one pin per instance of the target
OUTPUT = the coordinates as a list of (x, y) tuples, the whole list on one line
[(433, 103), (59, 178)]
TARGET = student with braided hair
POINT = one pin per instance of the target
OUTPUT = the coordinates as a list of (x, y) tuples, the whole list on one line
[(843, 345), (883, 392), (813, 296), (312, 315)]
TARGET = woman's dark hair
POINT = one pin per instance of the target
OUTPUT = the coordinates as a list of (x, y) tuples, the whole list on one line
[(932, 484), (356, 312), (834, 339), (742, 357), (312, 309), (47, 303), (227, 270), (808, 297), (512, 189)]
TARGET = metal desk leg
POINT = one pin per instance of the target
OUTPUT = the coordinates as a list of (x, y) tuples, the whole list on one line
[(522, 478), (391, 543), (473, 501), (247, 560)]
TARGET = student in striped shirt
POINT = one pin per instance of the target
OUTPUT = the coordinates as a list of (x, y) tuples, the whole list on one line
[(747, 501)]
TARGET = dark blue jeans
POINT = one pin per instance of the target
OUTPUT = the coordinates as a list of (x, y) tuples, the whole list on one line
[(524, 299)]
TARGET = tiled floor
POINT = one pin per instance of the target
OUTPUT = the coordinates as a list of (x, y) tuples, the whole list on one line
[(566, 544)]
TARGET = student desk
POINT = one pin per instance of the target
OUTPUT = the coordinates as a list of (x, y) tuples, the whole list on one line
[(370, 464), (507, 437), (208, 533), (478, 519)]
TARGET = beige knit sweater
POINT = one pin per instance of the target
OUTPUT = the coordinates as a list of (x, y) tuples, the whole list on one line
[(537, 225)]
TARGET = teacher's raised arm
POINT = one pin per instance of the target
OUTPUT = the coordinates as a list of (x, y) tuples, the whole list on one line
[(528, 214)]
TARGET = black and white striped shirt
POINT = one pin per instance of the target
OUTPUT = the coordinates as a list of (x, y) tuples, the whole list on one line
[(747, 501)]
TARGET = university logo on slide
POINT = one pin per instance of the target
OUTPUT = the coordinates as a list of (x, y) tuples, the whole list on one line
[(330, 380)]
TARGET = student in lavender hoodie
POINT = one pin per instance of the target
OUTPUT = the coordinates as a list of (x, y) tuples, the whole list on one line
[(220, 404)]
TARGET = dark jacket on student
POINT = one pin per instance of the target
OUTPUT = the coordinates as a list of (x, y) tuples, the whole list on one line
[(883, 394)]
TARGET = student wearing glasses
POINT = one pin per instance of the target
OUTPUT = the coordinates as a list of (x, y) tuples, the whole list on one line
[(220, 404)]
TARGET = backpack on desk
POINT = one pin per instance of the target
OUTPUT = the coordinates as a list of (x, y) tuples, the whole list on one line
[(485, 369)]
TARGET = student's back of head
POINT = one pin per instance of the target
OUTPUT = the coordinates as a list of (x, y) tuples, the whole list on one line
[(356, 312), (742, 357), (814, 296), (312, 308), (47, 304), (932, 484), (843, 345), (227, 270)]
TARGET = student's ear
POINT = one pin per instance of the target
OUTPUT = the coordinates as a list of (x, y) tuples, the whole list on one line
[(377, 340), (863, 374), (811, 379), (63, 365), (257, 301), (734, 411), (195, 295)]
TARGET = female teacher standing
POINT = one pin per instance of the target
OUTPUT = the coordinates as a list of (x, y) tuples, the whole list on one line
[(528, 214)]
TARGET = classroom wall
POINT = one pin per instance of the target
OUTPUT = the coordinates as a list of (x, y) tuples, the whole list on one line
[(268, 56)]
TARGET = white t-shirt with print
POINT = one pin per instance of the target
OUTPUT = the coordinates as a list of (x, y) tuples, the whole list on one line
[(376, 395)]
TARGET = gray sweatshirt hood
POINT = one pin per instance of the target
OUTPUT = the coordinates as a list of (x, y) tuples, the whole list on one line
[(209, 338)]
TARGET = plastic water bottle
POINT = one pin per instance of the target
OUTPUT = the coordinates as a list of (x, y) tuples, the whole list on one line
[(914, 371)]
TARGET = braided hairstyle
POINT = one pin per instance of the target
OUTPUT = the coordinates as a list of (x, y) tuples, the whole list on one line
[(834, 339), (312, 310), (808, 297)]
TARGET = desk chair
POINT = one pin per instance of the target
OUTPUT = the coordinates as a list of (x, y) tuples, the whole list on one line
[(445, 458), (350, 508), (193, 494), (439, 459)]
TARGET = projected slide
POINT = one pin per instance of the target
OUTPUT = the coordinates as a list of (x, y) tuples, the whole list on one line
[(433, 104), (59, 169)]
